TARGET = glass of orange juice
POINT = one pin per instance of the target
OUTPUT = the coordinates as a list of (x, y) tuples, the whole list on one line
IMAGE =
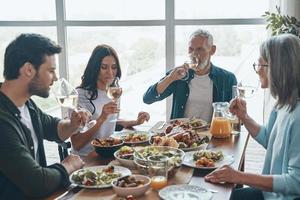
[(158, 171)]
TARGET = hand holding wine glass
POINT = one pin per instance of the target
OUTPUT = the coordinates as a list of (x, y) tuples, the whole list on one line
[(238, 107), (67, 96), (190, 63), (114, 92)]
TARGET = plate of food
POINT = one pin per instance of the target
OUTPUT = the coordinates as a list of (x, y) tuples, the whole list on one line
[(132, 137), (187, 141), (186, 123), (184, 192), (98, 176), (207, 159)]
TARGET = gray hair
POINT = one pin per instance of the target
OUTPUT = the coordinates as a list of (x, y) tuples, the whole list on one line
[(203, 33), (282, 53)]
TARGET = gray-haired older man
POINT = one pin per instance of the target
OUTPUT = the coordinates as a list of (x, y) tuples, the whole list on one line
[(206, 83)]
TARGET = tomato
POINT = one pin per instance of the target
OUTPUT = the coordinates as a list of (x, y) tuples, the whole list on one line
[(129, 197)]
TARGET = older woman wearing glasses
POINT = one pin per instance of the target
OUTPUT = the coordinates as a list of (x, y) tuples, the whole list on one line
[(278, 69)]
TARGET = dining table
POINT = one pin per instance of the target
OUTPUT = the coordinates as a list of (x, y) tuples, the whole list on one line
[(234, 145)]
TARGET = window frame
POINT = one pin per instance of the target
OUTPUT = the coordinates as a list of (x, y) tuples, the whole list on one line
[(61, 24)]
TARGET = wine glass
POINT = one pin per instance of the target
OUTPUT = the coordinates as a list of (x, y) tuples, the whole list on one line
[(234, 120), (67, 97), (247, 89), (192, 63), (114, 92)]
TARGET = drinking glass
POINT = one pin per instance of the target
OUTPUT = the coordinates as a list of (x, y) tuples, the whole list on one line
[(247, 89), (234, 120), (158, 171), (192, 63), (114, 92), (67, 97)]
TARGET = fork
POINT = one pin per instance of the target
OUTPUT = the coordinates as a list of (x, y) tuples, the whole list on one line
[(69, 194), (212, 191)]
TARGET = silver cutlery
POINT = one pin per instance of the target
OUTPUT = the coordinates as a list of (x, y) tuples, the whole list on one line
[(69, 194)]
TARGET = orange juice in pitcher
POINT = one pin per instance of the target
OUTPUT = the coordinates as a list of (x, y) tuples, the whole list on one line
[(220, 125)]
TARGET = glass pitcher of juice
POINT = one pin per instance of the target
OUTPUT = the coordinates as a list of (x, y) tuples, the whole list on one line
[(220, 125)]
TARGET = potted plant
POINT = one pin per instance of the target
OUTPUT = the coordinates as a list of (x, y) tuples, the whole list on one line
[(279, 24)]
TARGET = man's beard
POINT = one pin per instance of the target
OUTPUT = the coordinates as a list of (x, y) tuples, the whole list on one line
[(203, 64), (35, 88)]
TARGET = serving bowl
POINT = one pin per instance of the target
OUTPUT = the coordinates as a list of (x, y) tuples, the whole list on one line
[(129, 189), (125, 156), (175, 158), (107, 147)]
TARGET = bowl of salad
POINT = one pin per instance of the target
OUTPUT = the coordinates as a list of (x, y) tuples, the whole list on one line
[(125, 156), (175, 158)]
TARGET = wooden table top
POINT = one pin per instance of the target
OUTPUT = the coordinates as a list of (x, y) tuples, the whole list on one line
[(234, 145)]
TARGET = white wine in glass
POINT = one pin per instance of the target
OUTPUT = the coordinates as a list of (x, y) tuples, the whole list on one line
[(114, 93), (246, 91), (67, 97), (70, 101), (192, 63)]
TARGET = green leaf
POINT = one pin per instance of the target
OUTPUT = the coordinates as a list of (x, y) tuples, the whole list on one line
[(279, 24)]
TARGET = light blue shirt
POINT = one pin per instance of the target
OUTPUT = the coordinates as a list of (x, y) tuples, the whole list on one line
[(281, 138)]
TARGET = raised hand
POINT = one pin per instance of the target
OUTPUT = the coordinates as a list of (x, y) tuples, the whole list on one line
[(79, 117), (142, 117), (179, 72), (109, 108), (238, 107)]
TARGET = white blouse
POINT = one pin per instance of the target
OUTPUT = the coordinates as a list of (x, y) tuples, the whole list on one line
[(106, 129)]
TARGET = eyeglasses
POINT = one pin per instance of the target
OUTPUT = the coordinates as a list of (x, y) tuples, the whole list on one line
[(256, 66)]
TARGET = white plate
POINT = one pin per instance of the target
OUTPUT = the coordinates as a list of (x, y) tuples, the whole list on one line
[(185, 192), (122, 134), (204, 123), (188, 160), (200, 147), (124, 172)]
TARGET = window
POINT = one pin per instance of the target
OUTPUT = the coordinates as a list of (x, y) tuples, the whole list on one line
[(144, 33), (215, 9), (29, 10), (115, 9), (141, 53)]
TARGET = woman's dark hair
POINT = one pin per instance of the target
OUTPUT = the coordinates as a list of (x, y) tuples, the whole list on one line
[(91, 72), (29, 47)]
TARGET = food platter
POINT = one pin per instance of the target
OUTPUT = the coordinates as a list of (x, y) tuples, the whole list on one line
[(132, 137), (103, 179), (193, 123), (191, 162)]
